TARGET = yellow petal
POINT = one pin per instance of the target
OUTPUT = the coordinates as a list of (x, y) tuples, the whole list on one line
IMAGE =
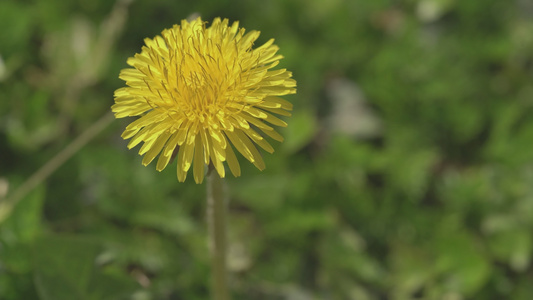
[(164, 158), (156, 148), (233, 162), (258, 139), (258, 159), (198, 163), (239, 145), (207, 145), (273, 134), (185, 156)]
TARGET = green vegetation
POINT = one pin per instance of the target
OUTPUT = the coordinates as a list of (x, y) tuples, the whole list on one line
[(407, 170)]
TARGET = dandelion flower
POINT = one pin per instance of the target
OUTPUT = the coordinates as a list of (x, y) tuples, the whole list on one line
[(204, 92)]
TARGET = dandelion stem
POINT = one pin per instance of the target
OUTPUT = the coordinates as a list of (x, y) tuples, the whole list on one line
[(216, 221)]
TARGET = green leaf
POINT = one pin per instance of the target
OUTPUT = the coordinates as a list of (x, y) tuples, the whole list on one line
[(513, 246), (23, 223), (65, 268), (18, 17), (301, 129), (411, 267), (464, 267)]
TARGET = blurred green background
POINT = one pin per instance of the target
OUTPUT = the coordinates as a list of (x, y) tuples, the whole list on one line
[(407, 170)]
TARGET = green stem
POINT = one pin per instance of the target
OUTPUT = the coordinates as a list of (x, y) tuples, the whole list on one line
[(216, 219)]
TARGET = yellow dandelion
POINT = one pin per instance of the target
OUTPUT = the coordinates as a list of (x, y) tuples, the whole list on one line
[(205, 91)]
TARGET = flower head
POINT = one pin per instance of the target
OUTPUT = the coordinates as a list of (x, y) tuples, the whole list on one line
[(205, 91)]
